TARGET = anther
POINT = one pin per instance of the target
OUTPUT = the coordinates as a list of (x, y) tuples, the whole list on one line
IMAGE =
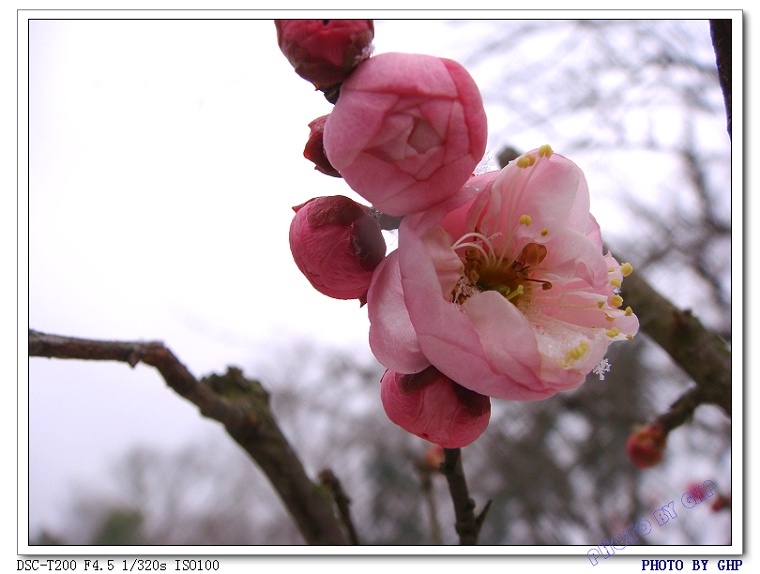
[(526, 160), (545, 151)]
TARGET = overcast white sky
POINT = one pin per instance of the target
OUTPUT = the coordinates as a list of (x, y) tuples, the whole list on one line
[(164, 159)]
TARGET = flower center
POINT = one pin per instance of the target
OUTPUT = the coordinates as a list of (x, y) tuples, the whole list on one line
[(484, 271)]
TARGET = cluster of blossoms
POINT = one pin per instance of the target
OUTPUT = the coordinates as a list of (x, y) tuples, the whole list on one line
[(499, 287)]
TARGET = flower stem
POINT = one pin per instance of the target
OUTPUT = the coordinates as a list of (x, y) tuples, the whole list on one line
[(467, 524)]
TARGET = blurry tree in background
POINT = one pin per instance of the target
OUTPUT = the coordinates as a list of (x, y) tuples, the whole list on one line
[(638, 106)]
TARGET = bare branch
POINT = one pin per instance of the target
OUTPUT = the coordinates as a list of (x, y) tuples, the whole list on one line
[(702, 354), (240, 404), (343, 502), (467, 524)]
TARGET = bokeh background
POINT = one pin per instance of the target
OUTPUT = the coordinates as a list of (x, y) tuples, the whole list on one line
[(164, 159)]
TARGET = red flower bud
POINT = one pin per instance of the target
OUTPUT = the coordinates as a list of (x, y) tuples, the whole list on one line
[(325, 52), (432, 406), (646, 446), (336, 244), (723, 501), (315, 151)]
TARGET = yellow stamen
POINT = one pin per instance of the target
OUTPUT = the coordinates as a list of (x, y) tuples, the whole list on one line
[(616, 300), (626, 269), (526, 160), (544, 232), (525, 220), (576, 353), (616, 282), (614, 332), (545, 151), (628, 311), (600, 304)]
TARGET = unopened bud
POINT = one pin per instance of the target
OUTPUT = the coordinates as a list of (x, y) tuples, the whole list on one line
[(315, 151), (646, 446), (325, 52), (435, 408), (336, 244)]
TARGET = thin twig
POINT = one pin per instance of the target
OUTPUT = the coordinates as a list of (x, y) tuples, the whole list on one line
[(681, 410), (343, 502), (240, 404), (467, 524)]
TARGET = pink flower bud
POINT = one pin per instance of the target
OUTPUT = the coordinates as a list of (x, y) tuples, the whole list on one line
[(432, 406), (315, 151), (325, 52), (407, 131), (336, 244), (646, 446)]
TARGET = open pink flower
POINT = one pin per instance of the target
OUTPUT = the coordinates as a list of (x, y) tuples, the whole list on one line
[(407, 131), (433, 407), (510, 294), (325, 52), (336, 244)]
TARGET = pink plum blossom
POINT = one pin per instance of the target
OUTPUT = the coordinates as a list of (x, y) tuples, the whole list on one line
[(325, 52), (407, 131), (510, 294), (336, 244), (432, 406)]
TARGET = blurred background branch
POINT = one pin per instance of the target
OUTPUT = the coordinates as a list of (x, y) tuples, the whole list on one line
[(720, 31), (240, 404)]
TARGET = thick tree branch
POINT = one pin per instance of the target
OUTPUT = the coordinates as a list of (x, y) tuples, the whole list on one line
[(702, 354), (467, 524), (240, 404)]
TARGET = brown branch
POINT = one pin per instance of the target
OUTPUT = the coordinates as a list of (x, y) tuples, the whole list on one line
[(240, 404), (681, 410), (720, 32), (702, 354), (343, 502), (467, 524)]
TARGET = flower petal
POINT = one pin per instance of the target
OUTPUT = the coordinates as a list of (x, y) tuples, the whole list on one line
[(392, 337)]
